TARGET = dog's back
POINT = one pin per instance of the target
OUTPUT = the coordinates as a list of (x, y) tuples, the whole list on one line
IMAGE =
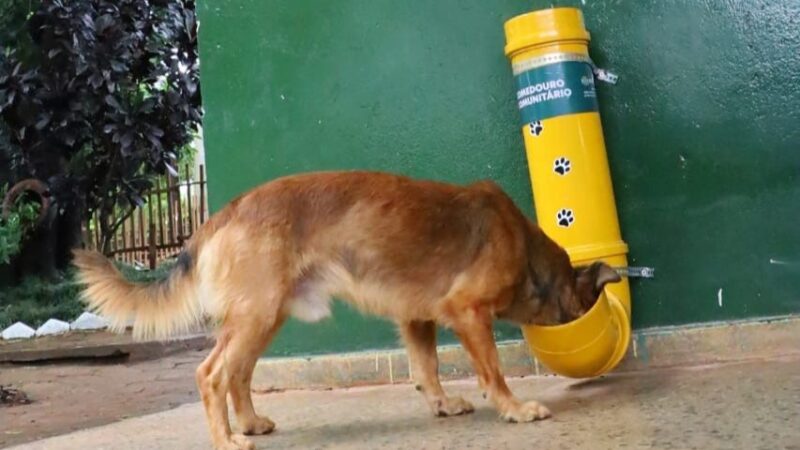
[(391, 245)]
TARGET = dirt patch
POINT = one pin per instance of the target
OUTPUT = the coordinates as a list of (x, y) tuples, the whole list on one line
[(74, 394)]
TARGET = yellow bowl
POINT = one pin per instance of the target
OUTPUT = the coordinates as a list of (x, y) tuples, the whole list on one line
[(587, 347)]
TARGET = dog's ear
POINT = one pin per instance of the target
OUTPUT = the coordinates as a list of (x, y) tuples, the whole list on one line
[(595, 277), (604, 274)]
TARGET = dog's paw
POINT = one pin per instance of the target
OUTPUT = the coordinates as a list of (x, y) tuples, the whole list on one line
[(237, 442), (261, 425), (451, 406), (525, 412)]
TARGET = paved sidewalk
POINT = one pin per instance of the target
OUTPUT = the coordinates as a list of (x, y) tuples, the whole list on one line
[(753, 405)]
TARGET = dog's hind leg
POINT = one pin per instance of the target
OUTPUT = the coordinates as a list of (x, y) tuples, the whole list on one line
[(252, 316), (420, 340), (213, 386), (252, 337)]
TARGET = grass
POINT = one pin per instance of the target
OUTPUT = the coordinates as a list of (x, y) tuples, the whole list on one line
[(35, 300)]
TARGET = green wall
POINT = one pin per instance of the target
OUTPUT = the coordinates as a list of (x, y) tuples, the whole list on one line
[(702, 129)]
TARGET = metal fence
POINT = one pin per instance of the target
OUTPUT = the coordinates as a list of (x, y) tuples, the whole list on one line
[(157, 230)]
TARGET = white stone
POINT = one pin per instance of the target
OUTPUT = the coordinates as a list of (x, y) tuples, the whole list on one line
[(18, 331), (51, 327), (88, 321)]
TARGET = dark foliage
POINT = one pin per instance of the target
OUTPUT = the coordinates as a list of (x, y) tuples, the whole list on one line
[(102, 98)]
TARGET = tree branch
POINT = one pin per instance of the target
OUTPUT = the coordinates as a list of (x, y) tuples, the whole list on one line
[(108, 233)]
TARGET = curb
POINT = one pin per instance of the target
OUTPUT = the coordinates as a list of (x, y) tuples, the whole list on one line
[(649, 348), (96, 344)]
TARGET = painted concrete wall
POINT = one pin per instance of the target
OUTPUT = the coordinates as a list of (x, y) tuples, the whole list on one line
[(702, 129)]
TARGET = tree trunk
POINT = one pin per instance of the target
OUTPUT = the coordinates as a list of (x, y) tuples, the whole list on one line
[(69, 235), (37, 256), (105, 233)]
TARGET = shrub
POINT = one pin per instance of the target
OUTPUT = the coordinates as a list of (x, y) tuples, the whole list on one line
[(13, 228), (36, 299)]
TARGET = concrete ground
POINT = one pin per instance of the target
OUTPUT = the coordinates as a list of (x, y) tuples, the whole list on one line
[(746, 405)]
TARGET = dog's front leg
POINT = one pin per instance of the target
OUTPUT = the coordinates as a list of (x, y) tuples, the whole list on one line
[(474, 328), (420, 339)]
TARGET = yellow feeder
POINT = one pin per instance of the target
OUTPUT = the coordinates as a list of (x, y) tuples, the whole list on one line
[(571, 180)]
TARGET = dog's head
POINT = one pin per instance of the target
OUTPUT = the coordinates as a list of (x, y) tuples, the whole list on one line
[(560, 293), (589, 284), (572, 295)]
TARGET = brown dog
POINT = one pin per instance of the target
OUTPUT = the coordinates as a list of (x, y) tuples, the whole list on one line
[(421, 253)]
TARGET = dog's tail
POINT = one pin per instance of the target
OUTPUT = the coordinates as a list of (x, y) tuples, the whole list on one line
[(159, 310)]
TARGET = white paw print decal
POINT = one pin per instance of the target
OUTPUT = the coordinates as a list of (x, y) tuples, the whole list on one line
[(565, 217), (536, 128), (562, 166)]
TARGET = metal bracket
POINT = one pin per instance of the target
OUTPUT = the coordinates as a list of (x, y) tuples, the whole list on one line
[(636, 272), (603, 74)]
